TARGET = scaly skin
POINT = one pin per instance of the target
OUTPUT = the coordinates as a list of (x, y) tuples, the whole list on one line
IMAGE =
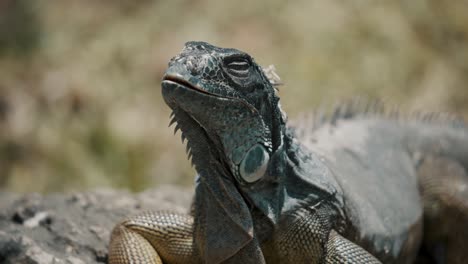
[(353, 189)]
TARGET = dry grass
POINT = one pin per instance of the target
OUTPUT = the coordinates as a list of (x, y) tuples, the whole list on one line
[(80, 104)]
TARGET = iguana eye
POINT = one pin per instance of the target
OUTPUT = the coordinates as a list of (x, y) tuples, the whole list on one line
[(254, 164), (238, 66)]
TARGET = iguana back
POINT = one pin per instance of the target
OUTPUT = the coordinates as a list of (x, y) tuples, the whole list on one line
[(377, 159)]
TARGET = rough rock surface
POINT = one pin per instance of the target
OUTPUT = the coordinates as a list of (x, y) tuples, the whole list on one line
[(73, 228)]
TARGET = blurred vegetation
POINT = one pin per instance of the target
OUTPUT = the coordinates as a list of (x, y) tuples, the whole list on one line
[(80, 102)]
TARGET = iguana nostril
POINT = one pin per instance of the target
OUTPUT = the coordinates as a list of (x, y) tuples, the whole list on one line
[(190, 66), (193, 65)]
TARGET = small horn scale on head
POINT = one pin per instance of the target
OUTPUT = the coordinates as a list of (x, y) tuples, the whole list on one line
[(273, 77)]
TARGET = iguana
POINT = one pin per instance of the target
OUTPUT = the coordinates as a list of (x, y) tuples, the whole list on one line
[(357, 187)]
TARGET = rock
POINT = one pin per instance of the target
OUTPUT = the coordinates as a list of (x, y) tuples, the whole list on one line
[(73, 228)]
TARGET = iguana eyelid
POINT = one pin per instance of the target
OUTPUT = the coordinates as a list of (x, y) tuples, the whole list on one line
[(238, 65), (238, 70)]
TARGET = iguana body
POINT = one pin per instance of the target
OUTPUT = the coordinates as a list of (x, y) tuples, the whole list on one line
[(357, 188)]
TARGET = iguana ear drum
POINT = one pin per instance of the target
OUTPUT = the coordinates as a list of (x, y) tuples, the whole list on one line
[(254, 164)]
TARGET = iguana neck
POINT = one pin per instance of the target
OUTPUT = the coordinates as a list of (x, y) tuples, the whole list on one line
[(296, 178)]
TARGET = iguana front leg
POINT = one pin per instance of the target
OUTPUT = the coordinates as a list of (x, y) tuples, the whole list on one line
[(153, 238), (307, 236), (339, 250)]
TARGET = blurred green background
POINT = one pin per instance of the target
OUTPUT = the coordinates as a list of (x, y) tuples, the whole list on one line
[(80, 103)]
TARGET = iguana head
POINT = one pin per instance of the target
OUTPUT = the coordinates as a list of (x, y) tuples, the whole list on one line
[(227, 108), (230, 102)]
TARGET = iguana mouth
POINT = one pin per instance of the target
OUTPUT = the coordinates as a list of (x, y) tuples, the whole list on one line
[(182, 82), (178, 80)]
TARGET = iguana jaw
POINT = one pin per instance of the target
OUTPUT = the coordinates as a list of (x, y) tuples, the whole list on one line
[(175, 79), (220, 118), (182, 83)]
